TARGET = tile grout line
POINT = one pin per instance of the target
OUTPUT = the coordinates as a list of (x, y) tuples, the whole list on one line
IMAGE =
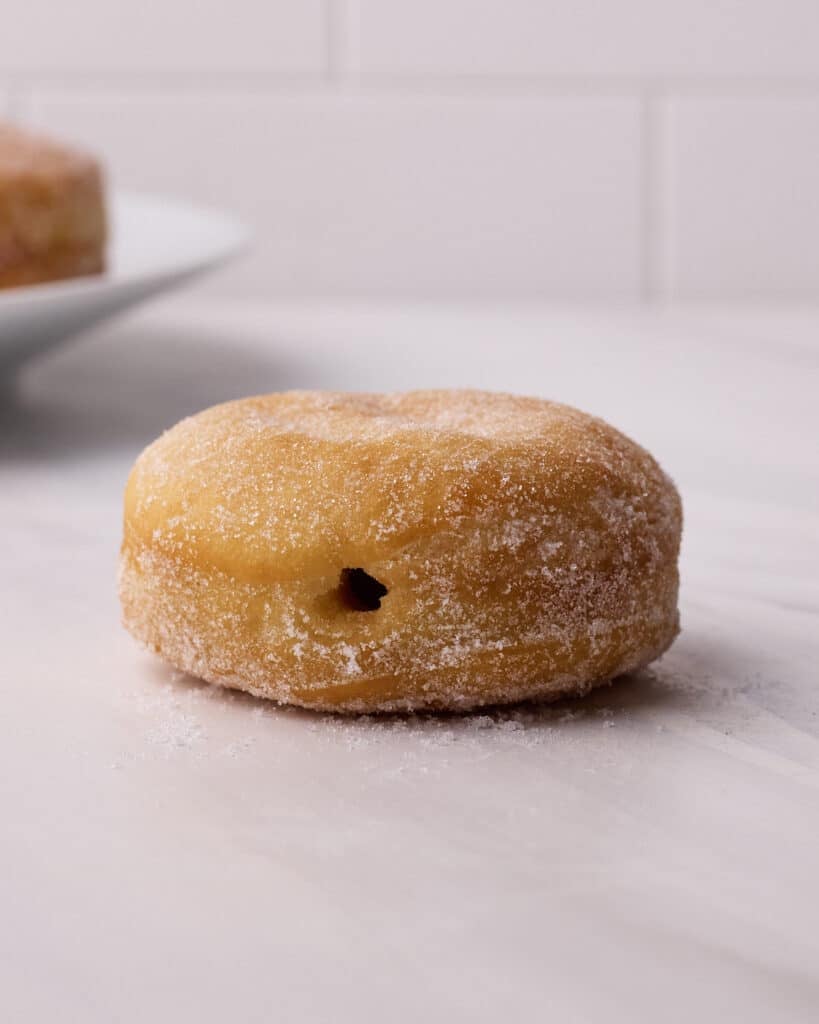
[(341, 36), (653, 188), (664, 233), (342, 62)]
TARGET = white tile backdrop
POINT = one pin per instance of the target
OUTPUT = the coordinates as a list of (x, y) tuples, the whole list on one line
[(635, 149)]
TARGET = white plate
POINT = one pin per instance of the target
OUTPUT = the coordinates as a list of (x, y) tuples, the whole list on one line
[(156, 244)]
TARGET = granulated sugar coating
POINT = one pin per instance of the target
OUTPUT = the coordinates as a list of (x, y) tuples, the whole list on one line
[(52, 210), (436, 549)]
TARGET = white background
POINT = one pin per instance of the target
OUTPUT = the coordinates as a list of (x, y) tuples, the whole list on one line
[(650, 150)]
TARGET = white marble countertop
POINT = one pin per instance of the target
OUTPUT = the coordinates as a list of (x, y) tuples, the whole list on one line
[(171, 852)]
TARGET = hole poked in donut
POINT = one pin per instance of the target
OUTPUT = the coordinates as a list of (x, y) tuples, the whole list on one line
[(359, 591)]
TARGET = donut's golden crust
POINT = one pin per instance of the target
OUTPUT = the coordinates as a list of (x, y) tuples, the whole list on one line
[(52, 212), (529, 551)]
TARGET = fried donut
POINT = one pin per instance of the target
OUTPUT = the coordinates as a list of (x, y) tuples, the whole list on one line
[(432, 549), (52, 211)]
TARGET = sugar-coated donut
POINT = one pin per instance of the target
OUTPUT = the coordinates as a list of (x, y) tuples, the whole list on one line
[(52, 211), (433, 549)]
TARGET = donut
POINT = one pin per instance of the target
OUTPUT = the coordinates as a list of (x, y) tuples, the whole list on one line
[(398, 552), (52, 211)]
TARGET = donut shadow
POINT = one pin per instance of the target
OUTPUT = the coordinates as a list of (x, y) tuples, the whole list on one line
[(629, 694)]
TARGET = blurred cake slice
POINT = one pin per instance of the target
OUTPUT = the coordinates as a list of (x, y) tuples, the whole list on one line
[(52, 211)]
